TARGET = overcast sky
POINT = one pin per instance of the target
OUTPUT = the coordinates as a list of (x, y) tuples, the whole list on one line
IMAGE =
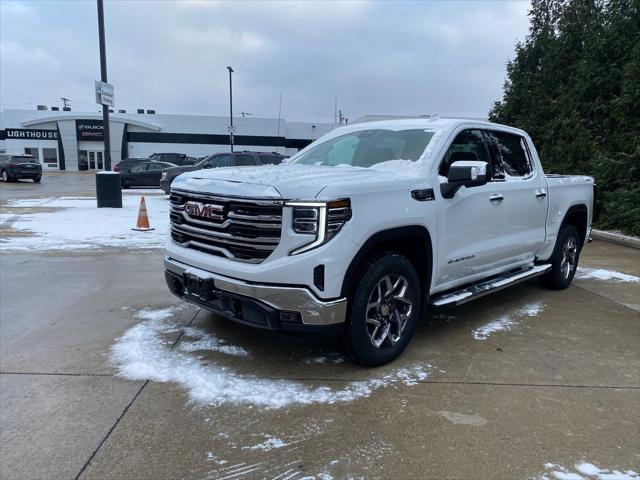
[(401, 58)]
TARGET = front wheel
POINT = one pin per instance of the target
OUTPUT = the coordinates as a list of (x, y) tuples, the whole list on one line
[(384, 310), (564, 261), (5, 176), (37, 180)]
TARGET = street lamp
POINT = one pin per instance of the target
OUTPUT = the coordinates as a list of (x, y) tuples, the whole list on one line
[(231, 128)]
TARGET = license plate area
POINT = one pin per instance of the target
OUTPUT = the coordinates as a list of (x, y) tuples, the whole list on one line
[(201, 288)]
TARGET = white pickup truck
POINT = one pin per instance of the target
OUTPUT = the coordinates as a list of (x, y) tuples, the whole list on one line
[(372, 225)]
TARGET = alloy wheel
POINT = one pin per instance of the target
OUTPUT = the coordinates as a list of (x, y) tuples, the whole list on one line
[(569, 257), (388, 310)]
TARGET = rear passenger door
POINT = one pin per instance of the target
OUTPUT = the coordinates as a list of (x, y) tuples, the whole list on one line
[(524, 188)]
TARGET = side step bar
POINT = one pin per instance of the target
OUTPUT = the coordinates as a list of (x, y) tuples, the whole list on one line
[(485, 287)]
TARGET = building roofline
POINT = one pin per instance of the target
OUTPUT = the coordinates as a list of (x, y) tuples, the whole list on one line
[(91, 116)]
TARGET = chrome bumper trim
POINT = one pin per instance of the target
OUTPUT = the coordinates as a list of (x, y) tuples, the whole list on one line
[(298, 299)]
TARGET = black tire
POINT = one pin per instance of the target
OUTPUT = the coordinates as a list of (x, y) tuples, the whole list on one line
[(37, 180), (359, 333), (564, 261)]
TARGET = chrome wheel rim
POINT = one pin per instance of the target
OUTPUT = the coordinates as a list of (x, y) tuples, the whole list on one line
[(569, 256), (5, 177), (388, 310)]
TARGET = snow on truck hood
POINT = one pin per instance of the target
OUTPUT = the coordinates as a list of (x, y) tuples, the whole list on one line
[(294, 181)]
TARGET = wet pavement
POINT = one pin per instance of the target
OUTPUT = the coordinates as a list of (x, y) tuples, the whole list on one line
[(511, 382)]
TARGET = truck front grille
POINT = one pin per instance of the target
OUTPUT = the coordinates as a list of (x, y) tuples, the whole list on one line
[(242, 229)]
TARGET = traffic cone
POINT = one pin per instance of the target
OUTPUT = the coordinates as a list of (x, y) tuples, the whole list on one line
[(143, 219)]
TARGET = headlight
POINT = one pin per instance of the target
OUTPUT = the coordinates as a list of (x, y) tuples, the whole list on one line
[(164, 175), (323, 220)]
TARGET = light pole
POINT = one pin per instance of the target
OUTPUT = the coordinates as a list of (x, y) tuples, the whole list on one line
[(103, 77), (231, 128)]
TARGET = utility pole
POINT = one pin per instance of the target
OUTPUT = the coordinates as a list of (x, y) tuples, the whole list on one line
[(103, 77), (231, 128)]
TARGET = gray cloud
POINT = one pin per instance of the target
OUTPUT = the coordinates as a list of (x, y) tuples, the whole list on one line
[(379, 57)]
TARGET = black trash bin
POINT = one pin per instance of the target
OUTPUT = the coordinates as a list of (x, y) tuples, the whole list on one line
[(108, 189)]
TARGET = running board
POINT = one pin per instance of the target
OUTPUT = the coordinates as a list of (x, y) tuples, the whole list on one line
[(485, 287)]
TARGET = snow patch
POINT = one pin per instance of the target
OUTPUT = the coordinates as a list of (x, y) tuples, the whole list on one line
[(333, 357), (585, 471), (80, 225), (142, 353), (269, 444), (507, 322), (605, 275)]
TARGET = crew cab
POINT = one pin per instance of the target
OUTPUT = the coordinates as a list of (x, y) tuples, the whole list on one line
[(371, 226)]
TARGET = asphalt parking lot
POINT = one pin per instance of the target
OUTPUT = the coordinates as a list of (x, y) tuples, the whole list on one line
[(105, 375)]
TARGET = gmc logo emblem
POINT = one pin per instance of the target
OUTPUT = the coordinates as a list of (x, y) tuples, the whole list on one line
[(202, 210)]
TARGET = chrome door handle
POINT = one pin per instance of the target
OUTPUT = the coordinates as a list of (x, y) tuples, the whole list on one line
[(541, 194), (496, 198)]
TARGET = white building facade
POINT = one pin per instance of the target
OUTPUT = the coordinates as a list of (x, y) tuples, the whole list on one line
[(69, 140)]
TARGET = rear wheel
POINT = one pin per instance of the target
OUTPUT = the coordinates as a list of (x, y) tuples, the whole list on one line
[(37, 180), (565, 259), (384, 310), (5, 176)]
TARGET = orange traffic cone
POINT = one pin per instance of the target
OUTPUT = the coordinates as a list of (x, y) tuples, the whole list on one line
[(143, 219)]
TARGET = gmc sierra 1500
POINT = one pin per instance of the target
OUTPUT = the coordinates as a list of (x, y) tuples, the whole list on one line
[(373, 224)]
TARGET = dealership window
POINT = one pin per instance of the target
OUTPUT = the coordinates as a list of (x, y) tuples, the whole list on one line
[(50, 156), (32, 151)]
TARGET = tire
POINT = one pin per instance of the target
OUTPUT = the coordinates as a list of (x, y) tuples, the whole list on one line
[(564, 261), (37, 180), (384, 310), (5, 176)]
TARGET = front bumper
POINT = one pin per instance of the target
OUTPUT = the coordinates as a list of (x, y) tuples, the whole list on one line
[(165, 184), (273, 307)]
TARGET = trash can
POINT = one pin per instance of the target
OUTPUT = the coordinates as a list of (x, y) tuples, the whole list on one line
[(108, 190)]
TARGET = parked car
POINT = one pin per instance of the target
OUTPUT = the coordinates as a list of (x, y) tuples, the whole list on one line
[(221, 160), (18, 167), (127, 163), (384, 220), (175, 158), (145, 174)]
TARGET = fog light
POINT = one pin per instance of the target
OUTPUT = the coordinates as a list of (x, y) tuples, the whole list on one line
[(290, 317)]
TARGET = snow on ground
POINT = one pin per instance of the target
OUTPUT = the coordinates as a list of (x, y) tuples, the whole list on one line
[(507, 322), (585, 471), (75, 223), (605, 275), (142, 353), (269, 444)]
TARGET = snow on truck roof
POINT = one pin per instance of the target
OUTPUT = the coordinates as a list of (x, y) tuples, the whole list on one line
[(440, 123)]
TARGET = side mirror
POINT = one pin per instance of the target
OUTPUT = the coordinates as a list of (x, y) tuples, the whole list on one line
[(464, 173)]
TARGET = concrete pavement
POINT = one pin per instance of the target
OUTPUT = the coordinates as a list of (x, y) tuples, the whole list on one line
[(561, 386)]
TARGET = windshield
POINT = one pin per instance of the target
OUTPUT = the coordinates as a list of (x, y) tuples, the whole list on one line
[(368, 147)]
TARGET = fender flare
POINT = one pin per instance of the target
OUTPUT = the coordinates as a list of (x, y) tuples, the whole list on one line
[(384, 236)]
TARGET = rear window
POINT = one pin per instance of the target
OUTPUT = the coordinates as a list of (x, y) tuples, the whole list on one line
[(22, 159)]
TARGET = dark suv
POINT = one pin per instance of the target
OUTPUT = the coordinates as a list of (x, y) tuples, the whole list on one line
[(176, 158), (15, 167), (127, 163), (216, 160)]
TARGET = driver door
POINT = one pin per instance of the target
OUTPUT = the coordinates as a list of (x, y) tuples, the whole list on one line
[(471, 224)]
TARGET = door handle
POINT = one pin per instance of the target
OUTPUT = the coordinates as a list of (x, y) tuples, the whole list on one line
[(541, 194), (496, 198)]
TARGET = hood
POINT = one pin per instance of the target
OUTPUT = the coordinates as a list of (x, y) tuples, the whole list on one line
[(283, 181)]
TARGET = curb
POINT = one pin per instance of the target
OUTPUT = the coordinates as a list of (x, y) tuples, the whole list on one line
[(620, 239)]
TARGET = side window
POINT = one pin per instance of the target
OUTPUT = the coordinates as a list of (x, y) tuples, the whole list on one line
[(244, 160), (220, 161), (269, 159), (140, 168), (511, 151), (468, 145), (156, 166)]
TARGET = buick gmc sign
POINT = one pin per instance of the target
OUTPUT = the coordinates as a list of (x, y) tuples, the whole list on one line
[(89, 130), (30, 134)]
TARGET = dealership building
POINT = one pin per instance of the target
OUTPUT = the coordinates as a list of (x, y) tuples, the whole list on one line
[(70, 140)]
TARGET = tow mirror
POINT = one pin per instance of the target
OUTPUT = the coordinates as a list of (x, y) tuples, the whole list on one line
[(464, 173)]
